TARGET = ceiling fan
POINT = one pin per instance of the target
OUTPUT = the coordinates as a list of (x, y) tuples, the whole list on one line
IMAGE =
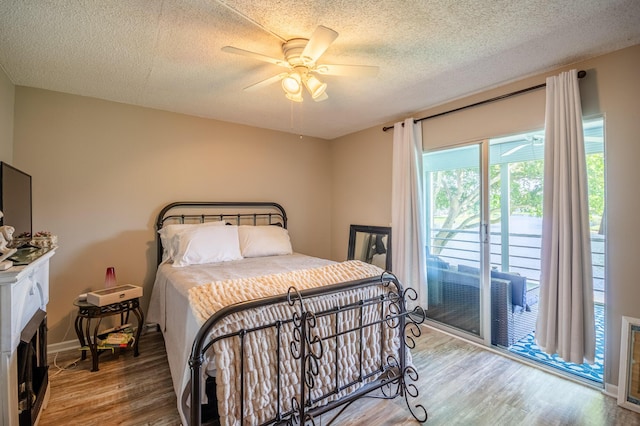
[(300, 59), (537, 140), (529, 140)]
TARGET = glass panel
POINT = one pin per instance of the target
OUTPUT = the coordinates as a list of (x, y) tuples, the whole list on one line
[(515, 194), (453, 183), (594, 147)]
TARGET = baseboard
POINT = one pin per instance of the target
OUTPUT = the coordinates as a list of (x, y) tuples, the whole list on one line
[(610, 390), (69, 345)]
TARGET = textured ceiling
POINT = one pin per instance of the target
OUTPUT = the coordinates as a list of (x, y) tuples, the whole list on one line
[(166, 54)]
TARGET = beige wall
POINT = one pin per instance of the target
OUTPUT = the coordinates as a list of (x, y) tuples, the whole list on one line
[(102, 171), (361, 185), (7, 97), (611, 88)]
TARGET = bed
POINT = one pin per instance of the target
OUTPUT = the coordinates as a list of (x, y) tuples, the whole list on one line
[(258, 334)]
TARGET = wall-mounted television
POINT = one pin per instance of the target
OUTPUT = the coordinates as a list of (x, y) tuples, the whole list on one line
[(15, 199)]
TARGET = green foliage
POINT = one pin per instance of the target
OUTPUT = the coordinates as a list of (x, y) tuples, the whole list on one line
[(457, 190), (456, 194), (595, 173), (526, 187)]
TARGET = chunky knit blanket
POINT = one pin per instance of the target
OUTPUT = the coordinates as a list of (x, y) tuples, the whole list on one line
[(260, 362)]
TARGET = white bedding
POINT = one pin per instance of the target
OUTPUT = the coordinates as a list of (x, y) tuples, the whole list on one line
[(269, 365), (170, 308)]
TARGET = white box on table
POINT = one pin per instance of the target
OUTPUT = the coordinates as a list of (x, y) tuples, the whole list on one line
[(114, 294)]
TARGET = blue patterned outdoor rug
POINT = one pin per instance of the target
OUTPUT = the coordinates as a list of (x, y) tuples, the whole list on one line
[(527, 348)]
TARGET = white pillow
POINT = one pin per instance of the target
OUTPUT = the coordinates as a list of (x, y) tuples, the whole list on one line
[(268, 240), (168, 232), (210, 244)]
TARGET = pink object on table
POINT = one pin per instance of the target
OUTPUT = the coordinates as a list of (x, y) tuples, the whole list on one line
[(110, 278)]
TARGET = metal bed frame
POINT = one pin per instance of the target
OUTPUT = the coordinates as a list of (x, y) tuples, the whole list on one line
[(393, 376)]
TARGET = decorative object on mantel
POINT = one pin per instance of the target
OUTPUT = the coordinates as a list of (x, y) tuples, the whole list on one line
[(44, 239), (6, 236), (6, 233), (629, 377), (21, 239)]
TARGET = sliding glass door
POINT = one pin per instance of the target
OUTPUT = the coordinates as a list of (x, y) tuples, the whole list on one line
[(453, 180), (484, 228), (515, 197)]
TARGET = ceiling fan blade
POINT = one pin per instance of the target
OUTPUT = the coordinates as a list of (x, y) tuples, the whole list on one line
[(320, 40), (263, 83), (348, 70), (322, 97), (258, 56), (515, 149)]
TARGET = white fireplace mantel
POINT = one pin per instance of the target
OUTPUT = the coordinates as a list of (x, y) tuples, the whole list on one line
[(23, 291)]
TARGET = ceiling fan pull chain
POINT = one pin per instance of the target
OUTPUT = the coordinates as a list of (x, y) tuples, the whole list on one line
[(291, 117)]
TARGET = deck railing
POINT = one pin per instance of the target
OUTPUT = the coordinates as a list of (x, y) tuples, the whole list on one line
[(523, 253)]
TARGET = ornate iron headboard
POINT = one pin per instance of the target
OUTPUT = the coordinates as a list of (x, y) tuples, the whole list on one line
[(235, 213)]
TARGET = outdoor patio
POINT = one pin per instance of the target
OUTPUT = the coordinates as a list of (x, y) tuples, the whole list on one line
[(527, 348), (523, 259)]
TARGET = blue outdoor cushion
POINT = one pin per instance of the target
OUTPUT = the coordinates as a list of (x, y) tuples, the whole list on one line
[(467, 280), (468, 269), (518, 283), (436, 262), (518, 286)]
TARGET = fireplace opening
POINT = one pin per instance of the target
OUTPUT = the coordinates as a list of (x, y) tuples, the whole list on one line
[(33, 370)]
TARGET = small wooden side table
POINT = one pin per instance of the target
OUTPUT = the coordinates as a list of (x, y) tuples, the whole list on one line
[(88, 336)]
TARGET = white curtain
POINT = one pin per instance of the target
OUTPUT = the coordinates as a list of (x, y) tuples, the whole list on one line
[(408, 242), (566, 320)]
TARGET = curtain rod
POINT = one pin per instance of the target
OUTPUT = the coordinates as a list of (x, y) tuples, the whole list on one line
[(581, 74)]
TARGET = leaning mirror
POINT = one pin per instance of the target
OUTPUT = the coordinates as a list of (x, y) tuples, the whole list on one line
[(629, 376), (371, 244)]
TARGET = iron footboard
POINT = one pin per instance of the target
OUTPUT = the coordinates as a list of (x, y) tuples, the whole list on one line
[(375, 324)]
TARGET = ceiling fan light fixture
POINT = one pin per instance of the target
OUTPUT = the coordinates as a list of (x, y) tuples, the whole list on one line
[(292, 84), (315, 86), (301, 57)]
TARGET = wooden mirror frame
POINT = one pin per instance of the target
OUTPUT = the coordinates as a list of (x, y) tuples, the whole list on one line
[(372, 230)]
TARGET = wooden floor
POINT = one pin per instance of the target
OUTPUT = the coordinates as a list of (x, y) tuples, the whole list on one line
[(460, 384), (125, 391)]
